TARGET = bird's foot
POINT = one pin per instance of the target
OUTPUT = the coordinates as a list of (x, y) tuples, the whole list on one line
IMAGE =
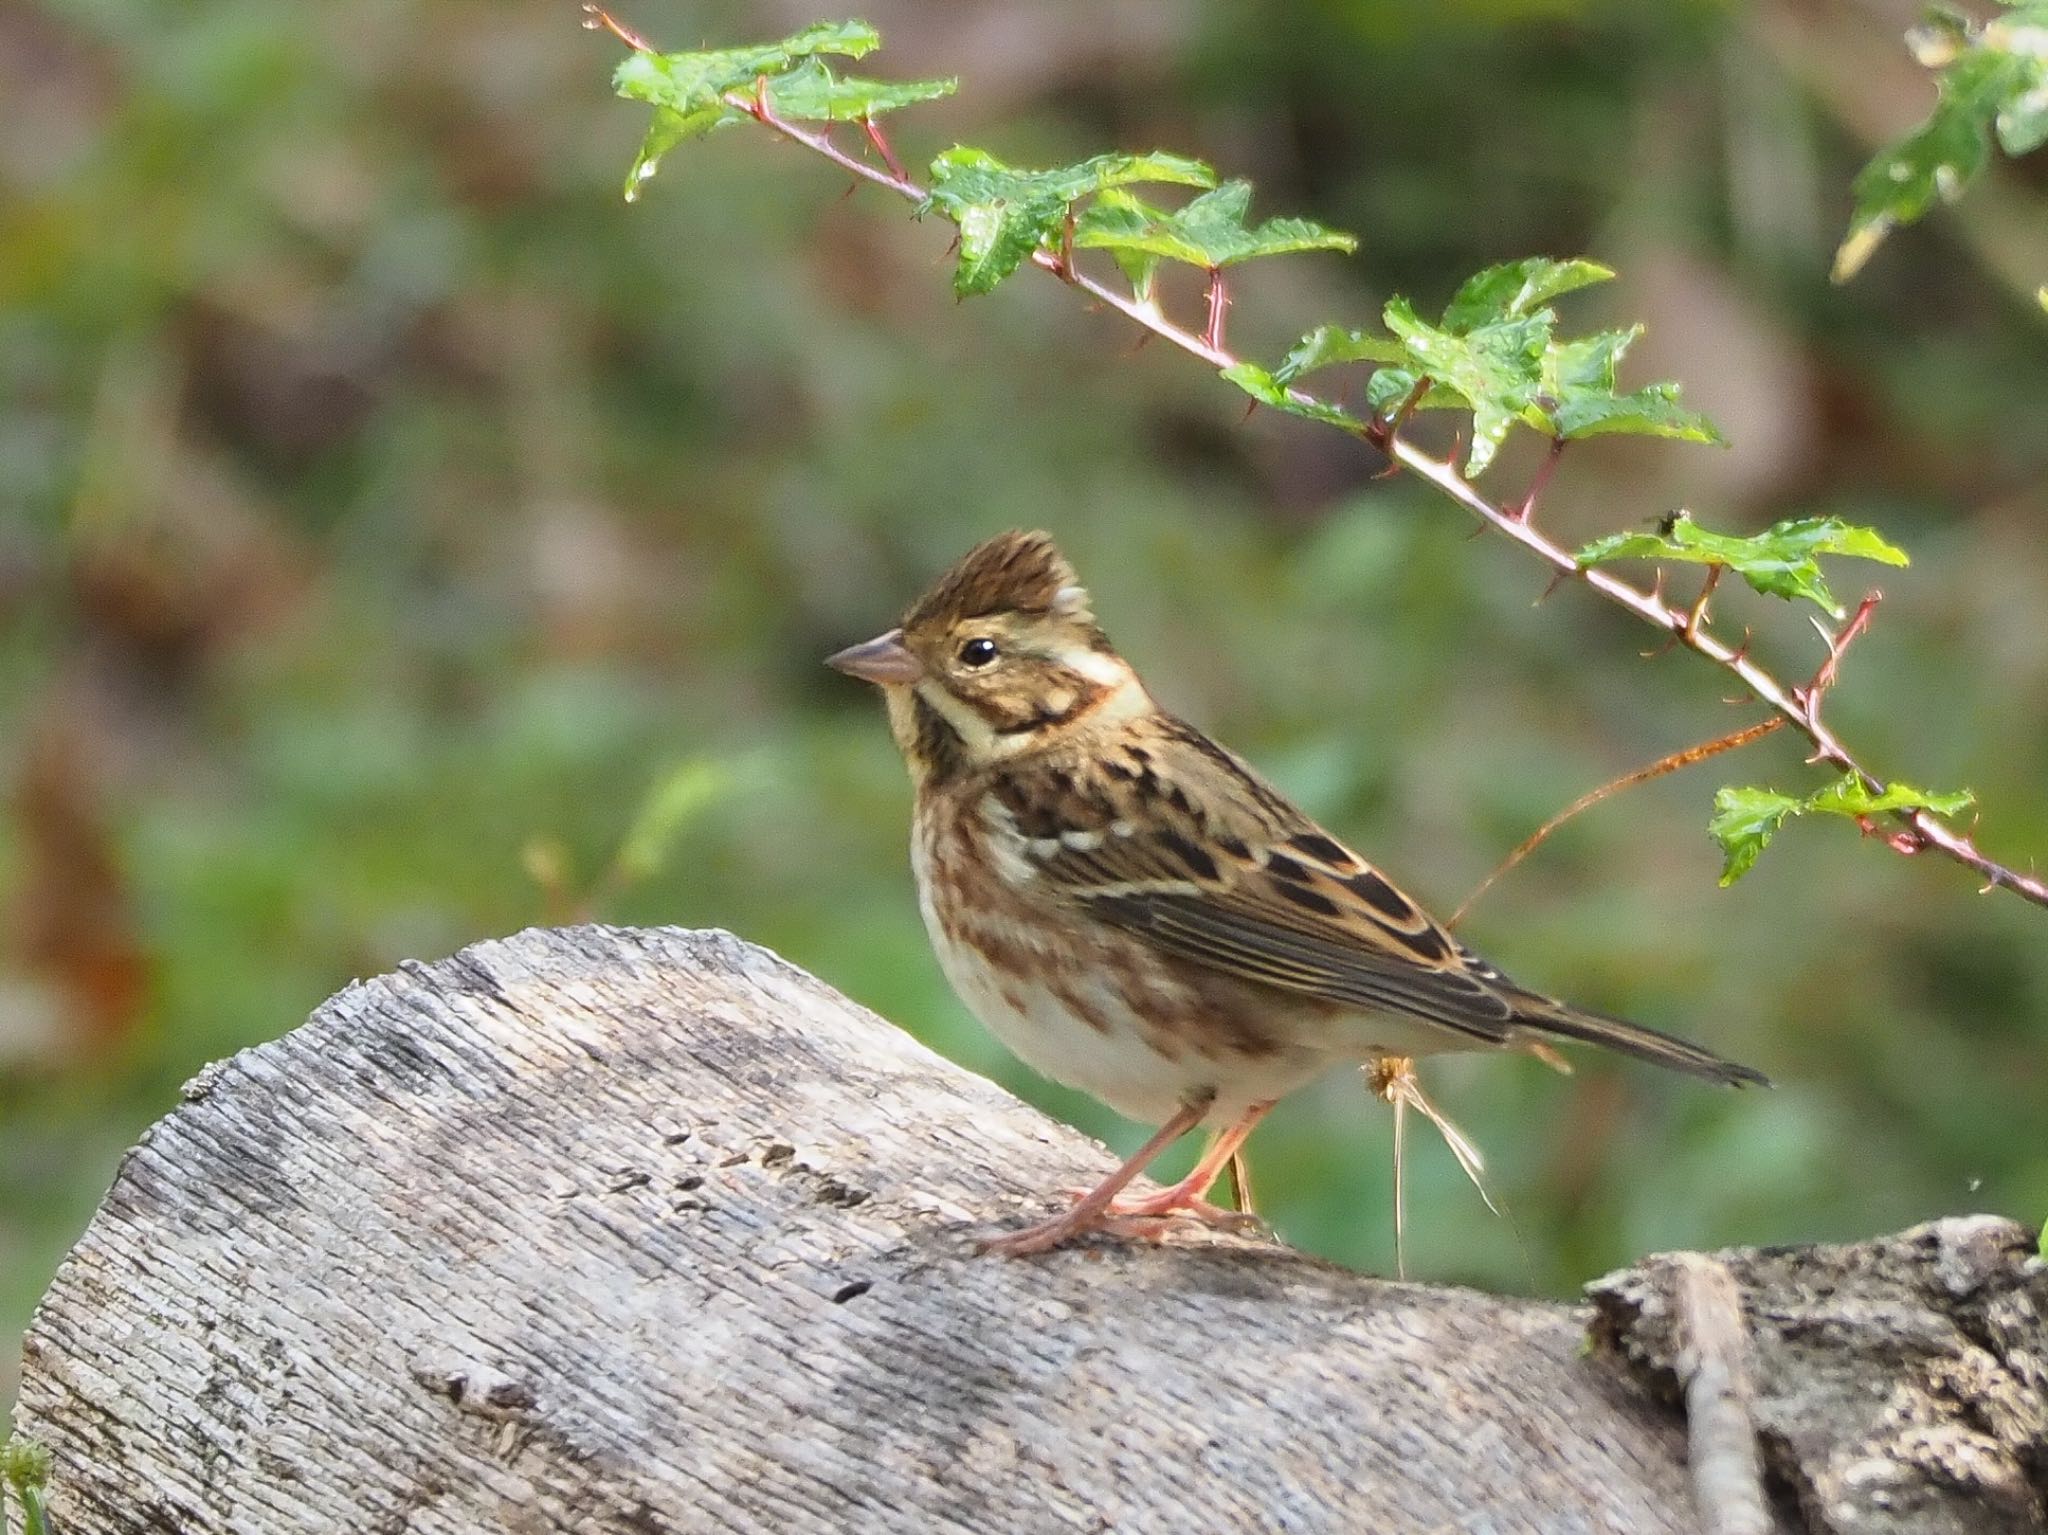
[(1183, 1201), (1145, 1217), (1048, 1234), (1183, 1198)]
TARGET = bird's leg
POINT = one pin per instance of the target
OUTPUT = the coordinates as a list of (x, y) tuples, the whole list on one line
[(1093, 1210), (1187, 1197)]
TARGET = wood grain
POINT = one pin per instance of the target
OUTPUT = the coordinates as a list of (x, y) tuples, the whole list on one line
[(648, 1231)]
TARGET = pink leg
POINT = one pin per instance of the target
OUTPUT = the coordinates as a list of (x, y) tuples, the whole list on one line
[(1188, 1197), (1094, 1208)]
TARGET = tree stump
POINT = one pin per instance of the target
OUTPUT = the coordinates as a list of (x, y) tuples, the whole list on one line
[(649, 1231)]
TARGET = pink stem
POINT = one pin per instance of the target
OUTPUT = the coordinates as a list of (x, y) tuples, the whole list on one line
[(1444, 477)]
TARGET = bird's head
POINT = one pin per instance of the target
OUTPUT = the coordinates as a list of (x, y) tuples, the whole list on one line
[(1000, 658)]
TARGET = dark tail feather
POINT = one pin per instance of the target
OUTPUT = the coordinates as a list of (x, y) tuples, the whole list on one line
[(1633, 1039)]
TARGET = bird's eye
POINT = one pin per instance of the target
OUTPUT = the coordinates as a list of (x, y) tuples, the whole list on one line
[(978, 652)]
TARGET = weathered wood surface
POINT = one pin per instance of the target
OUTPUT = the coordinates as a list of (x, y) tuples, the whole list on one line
[(647, 1231), (1900, 1387)]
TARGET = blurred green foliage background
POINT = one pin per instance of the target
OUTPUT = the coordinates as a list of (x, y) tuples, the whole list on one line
[(391, 519)]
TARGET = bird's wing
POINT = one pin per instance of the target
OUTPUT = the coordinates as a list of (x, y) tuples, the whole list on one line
[(1184, 846)]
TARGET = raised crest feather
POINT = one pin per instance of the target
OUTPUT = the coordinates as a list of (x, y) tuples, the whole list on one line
[(1013, 572)]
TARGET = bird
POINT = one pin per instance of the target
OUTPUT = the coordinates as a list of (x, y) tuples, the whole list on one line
[(1135, 912)]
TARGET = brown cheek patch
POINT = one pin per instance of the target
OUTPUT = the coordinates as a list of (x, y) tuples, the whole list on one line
[(1055, 696)]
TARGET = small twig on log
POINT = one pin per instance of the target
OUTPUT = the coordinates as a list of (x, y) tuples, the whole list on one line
[(1713, 1363)]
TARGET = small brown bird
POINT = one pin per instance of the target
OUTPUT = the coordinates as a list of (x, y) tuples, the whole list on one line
[(1136, 913)]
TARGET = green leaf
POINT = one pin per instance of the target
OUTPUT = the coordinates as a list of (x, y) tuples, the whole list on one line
[(849, 39), (2022, 121), (1852, 797), (1496, 369), (1744, 822), (1389, 388), (812, 93), (1992, 82), (1588, 362), (1268, 389), (1580, 398), (1328, 345), (1652, 411), (668, 129), (1830, 535), (1782, 561), (688, 90), (1210, 232), (1495, 355), (681, 793), (1518, 288), (1006, 213)]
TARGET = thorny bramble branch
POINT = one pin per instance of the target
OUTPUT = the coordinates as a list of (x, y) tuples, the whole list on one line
[(1918, 830)]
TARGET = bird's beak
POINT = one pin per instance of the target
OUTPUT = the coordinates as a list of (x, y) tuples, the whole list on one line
[(883, 659)]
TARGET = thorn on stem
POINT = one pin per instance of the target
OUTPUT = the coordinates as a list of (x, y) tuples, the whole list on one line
[(597, 19), (1809, 697), (1537, 482), (873, 130), (1219, 302), (1698, 614), (1407, 408)]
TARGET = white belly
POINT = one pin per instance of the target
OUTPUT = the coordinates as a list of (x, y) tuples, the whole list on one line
[(1099, 1047)]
